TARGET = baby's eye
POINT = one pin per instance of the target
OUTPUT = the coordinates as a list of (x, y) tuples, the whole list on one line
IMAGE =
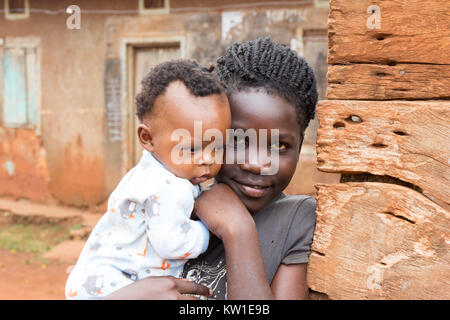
[(191, 149)]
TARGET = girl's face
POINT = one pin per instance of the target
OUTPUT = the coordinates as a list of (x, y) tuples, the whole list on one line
[(255, 109)]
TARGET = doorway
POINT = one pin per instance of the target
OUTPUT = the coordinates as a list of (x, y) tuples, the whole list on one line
[(141, 57)]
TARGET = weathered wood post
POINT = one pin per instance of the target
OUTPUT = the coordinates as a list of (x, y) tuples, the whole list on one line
[(384, 231)]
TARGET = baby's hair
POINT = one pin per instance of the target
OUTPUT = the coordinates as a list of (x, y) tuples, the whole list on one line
[(263, 63), (200, 81)]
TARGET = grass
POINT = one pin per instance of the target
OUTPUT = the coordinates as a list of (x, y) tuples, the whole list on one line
[(76, 226), (31, 238)]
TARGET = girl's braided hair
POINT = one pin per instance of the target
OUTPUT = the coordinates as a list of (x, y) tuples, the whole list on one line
[(263, 63)]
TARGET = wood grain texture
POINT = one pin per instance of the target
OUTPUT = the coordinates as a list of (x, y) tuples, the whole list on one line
[(379, 241), (383, 82), (408, 140), (413, 31)]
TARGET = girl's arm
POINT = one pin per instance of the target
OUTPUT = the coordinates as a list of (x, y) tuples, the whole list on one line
[(289, 282), (246, 276), (227, 217)]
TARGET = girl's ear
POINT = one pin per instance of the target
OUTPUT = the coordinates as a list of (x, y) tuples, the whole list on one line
[(145, 137)]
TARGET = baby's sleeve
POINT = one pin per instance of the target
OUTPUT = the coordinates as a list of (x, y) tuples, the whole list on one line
[(171, 232), (96, 282)]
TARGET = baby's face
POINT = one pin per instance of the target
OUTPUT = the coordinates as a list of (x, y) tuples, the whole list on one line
[(171, 137)]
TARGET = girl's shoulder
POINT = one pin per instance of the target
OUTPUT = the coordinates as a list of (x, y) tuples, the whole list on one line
[(287, 206), (294, 198)]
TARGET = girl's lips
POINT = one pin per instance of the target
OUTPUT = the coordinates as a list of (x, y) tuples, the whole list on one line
[(253, 191)]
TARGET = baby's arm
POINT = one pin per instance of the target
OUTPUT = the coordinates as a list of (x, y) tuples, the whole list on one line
[(172, 234)]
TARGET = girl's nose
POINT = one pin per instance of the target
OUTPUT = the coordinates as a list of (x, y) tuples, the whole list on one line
[(257, 166)]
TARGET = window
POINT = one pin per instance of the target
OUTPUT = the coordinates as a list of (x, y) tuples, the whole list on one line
[(321, 3), (20, 83), (153, 6), (17, 9)]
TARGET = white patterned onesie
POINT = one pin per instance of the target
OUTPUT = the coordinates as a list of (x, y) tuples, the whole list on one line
[(147, 231)]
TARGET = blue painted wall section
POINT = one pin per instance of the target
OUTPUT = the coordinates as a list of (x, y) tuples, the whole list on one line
[(14, 88), (20, 88)]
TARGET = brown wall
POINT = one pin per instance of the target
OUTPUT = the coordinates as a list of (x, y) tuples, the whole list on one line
[(72, 104), (74, 161)]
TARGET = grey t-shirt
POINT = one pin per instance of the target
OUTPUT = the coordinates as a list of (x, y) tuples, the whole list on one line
[(285, 230)]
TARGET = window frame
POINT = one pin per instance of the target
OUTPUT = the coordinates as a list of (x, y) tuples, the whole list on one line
[(1, 81), (17, 16), (34, 83), (145, 11), (321, 3)]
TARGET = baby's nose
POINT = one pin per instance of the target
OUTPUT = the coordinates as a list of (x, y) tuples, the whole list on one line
[(206, 159)]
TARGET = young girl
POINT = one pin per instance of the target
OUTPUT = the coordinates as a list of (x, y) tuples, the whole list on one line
[(263, 235)]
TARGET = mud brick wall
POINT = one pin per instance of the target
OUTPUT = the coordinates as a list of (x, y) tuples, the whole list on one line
[(81, 145), (384, 231)]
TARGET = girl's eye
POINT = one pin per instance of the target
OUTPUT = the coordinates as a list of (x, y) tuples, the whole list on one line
[(236, 141), (279, 147)]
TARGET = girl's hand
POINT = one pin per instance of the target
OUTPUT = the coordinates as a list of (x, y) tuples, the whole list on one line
[(160, 288), (222, 211)]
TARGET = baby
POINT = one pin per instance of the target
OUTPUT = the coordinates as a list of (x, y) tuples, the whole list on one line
[(147, 230)]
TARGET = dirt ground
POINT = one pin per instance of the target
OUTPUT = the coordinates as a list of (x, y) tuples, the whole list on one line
[(24, 277)]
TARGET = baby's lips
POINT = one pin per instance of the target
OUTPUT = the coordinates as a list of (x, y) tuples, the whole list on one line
[(200, 179)]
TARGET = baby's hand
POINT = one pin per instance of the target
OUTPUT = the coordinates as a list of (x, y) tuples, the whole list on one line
[(222, 211)]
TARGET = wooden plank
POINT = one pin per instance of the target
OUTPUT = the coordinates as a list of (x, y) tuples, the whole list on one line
[(379, 241), (383, 82), (408, 140), (413, 31)]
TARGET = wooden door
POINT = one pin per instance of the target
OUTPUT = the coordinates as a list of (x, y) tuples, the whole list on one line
[(144, 58)]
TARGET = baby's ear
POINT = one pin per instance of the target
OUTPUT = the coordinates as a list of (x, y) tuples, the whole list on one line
[(145, 137)]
